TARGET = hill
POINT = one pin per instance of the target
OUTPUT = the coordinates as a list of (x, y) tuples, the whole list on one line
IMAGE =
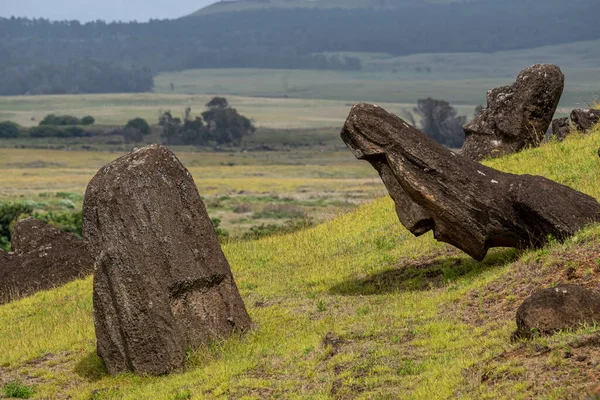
[(245, 5), (43, 57), (353, 308)]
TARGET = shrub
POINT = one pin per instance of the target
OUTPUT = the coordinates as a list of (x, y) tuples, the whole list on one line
[(9, 129), (88, 120), (222, 234), (66, 221), (18, 390), (138, 124), (263, 230), (60, 120), (280, 211), (43, 131), (9, 213)]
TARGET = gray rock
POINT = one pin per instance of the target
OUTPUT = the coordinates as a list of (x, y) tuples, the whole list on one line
[(585, 119), (550, 310), (466, 204), (43, 258), (161, 281), (516, 116), (561, 128)]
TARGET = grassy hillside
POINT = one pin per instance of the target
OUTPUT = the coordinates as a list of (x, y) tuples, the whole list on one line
[(245, 5), (353, 308)]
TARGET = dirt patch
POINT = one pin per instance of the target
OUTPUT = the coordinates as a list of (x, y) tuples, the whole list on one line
[(499, 300), (539, 370)]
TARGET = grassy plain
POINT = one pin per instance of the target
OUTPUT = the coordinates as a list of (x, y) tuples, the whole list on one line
[(117, 109), (243, 189), (353, 308), (463, 79)]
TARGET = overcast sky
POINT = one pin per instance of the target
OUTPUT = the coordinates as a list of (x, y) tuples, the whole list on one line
[(109, 10)]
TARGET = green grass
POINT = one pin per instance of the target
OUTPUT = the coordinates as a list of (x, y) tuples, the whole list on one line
[(353, 308), (18, 390)]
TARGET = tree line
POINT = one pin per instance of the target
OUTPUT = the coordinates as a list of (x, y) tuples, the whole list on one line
[(40, 56)]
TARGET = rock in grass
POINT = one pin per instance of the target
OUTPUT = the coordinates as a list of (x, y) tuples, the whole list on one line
[(584, 120), (548, 311), (161, 281), (560, 128), (466, 204), (43, 258), (516, 116)]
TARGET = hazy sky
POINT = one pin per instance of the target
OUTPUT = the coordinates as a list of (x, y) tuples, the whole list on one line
[(87, 10)]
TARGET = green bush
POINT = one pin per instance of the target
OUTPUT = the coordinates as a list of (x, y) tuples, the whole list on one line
[(44, 131), (88, 120), (60, 120), (9, 129), (66, 221), (222, 234), (18, 390), (139, 125), (263, 230), (9, 213)]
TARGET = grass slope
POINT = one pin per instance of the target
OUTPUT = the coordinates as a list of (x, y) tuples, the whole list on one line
[(353, 308)]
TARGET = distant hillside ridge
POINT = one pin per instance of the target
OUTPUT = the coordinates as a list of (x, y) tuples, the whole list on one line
[(32, 52), (245, 5)]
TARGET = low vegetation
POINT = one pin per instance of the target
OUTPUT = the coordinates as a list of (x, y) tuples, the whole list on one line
[(353, 308)]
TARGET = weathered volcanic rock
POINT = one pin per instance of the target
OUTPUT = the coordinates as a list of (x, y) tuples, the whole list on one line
[(550, 310), (585, 119), (161, 281), (561, 128), (517, 115), (466, 204), (43, 258)]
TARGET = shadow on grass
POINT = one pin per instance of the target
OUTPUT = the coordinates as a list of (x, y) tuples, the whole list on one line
[(91, 368), (422, 274)]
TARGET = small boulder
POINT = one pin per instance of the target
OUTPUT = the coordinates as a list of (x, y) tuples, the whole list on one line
[(162, 284), (44, 257), (516, 116), (585, 119), (550, 310), (561, 128)]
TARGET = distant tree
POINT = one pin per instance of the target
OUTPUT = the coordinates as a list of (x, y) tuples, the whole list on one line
[(440, 122), (9, 129), (217, 102), (171, 128), (140, 125), (225, 124), (88, 120)]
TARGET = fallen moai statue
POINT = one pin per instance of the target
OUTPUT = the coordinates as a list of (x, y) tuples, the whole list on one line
[(466, 204), (550, 310), (516, 116), (162, 284), (584, 120), (43, 257)]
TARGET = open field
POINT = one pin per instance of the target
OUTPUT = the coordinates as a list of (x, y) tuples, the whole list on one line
[(243, 189), (117, 109), (460, 78), (354, 308)]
